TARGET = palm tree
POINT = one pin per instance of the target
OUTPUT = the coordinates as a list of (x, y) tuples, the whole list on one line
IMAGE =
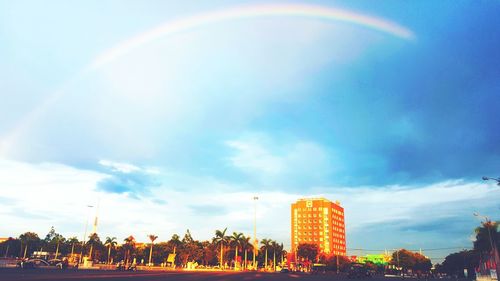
[(221, 238), (58, 240), (152, 237), (282, 252), (275, 248), (245, 246), (110, 243), (236, 241), (266, 244), (28, 238), (129, 244), (73, 240), (93, 238)]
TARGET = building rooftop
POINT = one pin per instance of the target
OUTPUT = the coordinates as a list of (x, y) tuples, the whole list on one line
[(317, 199)]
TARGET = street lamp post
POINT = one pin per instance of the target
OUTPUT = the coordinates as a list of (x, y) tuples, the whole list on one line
[(487, 223), (255, 245), (85, 233)]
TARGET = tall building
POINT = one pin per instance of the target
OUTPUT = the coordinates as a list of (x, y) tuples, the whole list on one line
[(321, 222)]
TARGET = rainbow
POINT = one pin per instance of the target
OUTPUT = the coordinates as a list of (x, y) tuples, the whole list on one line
[(246, 12), (201, 19)]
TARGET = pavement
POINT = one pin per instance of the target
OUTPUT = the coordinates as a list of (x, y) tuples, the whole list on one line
[(15, 274)]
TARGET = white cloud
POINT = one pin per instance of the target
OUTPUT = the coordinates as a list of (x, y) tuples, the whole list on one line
[(371, 205), (252, 157), (273, 162), (38, 196), (119, 167)]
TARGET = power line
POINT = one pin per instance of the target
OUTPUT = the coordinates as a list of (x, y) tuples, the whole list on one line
[(414, 250)]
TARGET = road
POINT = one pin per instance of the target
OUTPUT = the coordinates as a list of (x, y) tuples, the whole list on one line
[(91, 275)]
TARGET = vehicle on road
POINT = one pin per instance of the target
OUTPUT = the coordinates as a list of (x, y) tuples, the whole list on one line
[(285, 270), (34, 263), (25, 264), (358, 271)]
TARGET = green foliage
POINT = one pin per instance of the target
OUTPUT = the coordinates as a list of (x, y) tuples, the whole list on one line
[(110, 242), (209, 256), (486, 235), (308, 251), (236, 240), (331, 262), (190, 250), (129, 249), (187, 238), (30, 240), (222, 240), (410, 260), (207, 253), (153, 237), (10, 248), (455, 263)]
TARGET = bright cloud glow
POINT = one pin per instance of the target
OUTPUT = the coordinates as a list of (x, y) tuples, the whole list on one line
[(119, 167), (272, 162), (49, 188)]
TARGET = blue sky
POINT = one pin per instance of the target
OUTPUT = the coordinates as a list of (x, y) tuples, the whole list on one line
[(181, 131)]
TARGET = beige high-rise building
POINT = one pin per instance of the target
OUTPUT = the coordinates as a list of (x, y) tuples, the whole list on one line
[(321, 222)]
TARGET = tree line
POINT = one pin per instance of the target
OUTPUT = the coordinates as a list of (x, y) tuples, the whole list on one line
[(235, 250), (487, 237)]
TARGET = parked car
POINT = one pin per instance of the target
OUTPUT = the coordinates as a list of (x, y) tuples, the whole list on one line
[(285, 270), (358, 271), (25, 264)]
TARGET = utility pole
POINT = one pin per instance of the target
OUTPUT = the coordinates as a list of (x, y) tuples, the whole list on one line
[(397, 257), (338, 270), (85, 234), (255, 245), (94, 229)]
